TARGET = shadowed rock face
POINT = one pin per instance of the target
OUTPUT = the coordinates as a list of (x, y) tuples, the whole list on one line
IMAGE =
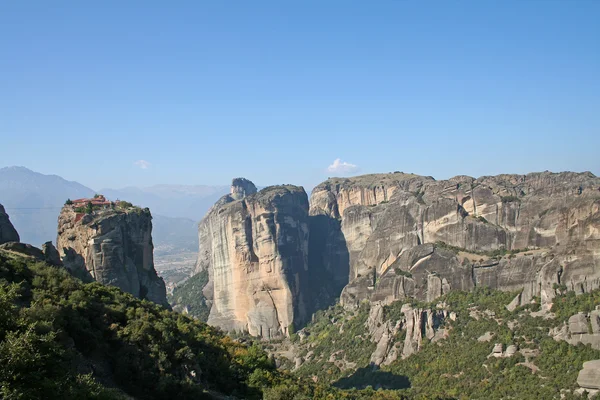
[(389, 222), (255, 249), (8, 233), (241, 187), (113, 247)]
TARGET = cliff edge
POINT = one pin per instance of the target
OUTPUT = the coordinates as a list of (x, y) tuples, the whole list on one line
[(112, 244)]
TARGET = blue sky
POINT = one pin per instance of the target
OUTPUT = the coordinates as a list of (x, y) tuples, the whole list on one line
[(276, 91)]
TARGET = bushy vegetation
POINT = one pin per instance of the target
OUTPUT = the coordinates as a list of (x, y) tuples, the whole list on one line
[(570, 304), (124, 204), (460, 366), (482, 219), (402, 272), (335, 330), (190, 295), (52, 326), (509, 199), (63, 339)]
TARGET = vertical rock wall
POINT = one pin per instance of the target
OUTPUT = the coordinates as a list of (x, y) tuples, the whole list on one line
[(112, 246), (383, 217), (255, 249)]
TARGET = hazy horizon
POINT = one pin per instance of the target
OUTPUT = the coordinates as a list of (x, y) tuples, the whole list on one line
[(308, 189)]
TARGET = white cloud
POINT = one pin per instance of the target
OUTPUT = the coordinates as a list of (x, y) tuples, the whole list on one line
[(342, 167), (143, 164)]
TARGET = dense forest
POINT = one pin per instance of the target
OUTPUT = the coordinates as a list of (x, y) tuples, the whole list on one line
[(62, 338)]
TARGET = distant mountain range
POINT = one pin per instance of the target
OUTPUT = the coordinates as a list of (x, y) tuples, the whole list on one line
[(33, 201)]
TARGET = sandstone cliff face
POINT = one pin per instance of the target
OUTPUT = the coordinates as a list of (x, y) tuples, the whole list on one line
[(112, 246), (418, 323), (255, 249), (8, 233), (392, 219)]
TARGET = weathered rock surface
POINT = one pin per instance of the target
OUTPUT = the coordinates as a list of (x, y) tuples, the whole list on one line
[(581, 328), (389, 221), (578, 324), (589, 376), (23, 249), (418, 323), (497, 352), (8, 233), (51, 255), (242, 187), (112, 246), (255, 249)]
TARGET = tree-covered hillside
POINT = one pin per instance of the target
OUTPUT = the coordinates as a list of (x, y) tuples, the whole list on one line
[(188, 297), (64, 339), (336, 347)]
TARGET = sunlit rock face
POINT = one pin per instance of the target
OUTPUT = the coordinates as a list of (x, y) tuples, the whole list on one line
[(112, 246), (254, 246), (388, 223)]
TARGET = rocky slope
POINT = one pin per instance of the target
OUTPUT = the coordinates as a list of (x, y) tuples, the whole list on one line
[(254, 246), (528, 232), (113, 246), (465, 344), (8, 233)]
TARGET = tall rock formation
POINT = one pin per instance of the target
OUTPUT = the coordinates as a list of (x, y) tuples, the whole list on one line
[(8, 233), (389, 223), (254, 246), (242, 187), (112, 245)]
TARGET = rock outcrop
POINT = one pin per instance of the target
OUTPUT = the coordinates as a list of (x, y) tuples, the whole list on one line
[(8, 233), (51, 254), (589, 376), (389, 223), (47, 254), (581, 328), (254, 246), (241, 187), (112, 245), (23, 249), (419, 324)]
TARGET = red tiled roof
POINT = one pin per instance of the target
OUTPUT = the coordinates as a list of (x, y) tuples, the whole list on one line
[(96, 201)]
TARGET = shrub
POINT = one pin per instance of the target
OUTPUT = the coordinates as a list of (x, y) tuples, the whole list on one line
[(401, 272), (509, 199), (124, 204)]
